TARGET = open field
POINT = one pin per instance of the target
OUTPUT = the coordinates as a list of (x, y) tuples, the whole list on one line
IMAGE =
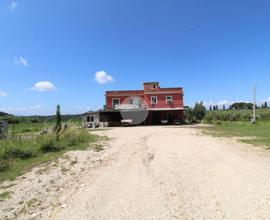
[(258, 134)]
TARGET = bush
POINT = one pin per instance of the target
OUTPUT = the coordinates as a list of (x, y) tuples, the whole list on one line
[(217, 123), (49, 145), (199, 111), (25, 130), (15, 152), (4, 164)]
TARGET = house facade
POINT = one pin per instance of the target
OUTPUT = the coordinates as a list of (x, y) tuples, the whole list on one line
[(163, 105)]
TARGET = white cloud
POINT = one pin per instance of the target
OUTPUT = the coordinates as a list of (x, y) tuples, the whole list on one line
[(36, 107), (21, 61), (103, 78), (13, 5), (44, 86), (3, 94)]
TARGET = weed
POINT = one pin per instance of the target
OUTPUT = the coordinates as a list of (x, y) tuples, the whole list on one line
[(4, 195)]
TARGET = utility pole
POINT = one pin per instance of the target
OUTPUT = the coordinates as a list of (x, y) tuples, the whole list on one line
[(254, 105)]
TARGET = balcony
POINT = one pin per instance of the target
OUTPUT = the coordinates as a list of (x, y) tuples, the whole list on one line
[(130, 107)]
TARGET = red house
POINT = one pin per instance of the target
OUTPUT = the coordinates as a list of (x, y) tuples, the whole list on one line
[(163, 105)]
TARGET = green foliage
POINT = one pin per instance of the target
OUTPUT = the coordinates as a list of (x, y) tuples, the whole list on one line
[(48, 144), (4, 164), (241, 106), (199, 111), (236, 115), (58, 123), (189, 116), (18, 154), (4, 195), (196, 114)]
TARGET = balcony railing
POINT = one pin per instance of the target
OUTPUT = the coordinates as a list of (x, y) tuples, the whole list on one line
[(130, 107)]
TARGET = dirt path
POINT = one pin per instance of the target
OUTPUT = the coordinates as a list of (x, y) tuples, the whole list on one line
[(174, 173), (169, 173)]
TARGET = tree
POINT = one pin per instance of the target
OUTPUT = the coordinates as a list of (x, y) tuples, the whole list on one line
[(242, 105), (265, 104), (210, 108), (189, 115), (58, 124), (224, 107), (199, 111)]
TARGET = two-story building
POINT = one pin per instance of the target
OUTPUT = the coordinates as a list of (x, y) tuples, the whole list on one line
[(151, 105), (163, 104)]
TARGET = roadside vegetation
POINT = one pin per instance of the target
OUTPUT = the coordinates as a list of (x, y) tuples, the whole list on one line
[(31, 143), (256, 134), (236, 122)]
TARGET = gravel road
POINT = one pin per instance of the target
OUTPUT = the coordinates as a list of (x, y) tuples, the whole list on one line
[(173, 173), (148, 173)]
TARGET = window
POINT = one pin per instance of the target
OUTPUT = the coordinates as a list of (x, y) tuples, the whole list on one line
[(169, 99), (154, 100), (115, 101), (92, 119), (154, 86)]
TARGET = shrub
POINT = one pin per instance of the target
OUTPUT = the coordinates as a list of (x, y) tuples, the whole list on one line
[(25, 130), (217, 123), (4, 164), (199, 111), (15, 152), (49, 145)]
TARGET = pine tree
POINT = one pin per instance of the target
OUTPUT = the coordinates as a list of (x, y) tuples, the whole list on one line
[(210, 108), (224, 107), (265, 104)]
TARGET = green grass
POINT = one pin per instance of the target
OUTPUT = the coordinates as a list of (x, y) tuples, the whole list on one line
[(18, 156), (4, 195), (236, 115), (258, 134), (28, 128)]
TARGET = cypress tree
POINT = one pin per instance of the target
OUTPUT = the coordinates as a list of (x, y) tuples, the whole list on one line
[(58, 124)]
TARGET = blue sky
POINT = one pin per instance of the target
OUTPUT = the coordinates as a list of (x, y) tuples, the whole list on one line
[(50, 51)]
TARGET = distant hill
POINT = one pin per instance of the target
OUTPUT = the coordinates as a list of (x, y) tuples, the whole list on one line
[(4, 114)]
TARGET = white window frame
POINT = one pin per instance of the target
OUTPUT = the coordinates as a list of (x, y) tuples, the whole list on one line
[(118, 99), (167, 101), (152, 100)]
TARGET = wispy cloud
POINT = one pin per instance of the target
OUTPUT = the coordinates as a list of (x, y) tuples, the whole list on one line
[(44, 86), (36, 107), (102, 77), (13, 5), (3, 94), (20, 61)]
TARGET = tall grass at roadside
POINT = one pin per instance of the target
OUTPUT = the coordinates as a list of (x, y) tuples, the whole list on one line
[(17, 155)]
